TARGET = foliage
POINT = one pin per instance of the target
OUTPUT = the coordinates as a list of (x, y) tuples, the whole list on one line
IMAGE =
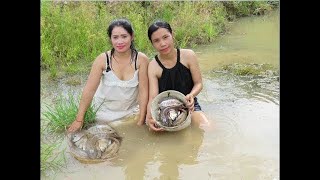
[(73, 33), (245, 8)]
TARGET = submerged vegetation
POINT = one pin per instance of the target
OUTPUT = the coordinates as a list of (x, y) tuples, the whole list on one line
[(73, 33), (52, 156), (257, 80), (250, 69), (50, 159)]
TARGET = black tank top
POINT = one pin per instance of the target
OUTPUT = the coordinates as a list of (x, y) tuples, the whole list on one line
[(177, 78)]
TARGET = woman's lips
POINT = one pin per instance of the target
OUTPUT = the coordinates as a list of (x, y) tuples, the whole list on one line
[(165, 49), (120, 47)]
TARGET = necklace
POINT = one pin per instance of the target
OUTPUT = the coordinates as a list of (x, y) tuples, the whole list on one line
[(114, 57)]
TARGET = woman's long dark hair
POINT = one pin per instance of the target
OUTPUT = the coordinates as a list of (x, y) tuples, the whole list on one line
[(127, 26), (156, 25)]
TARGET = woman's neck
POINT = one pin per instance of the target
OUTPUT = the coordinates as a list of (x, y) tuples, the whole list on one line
[(169, 57), (122, 55)]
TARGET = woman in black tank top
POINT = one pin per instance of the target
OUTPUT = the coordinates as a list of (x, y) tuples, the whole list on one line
[(173, 69)]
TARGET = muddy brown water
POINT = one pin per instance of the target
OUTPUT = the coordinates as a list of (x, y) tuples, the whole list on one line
[(244, 111)]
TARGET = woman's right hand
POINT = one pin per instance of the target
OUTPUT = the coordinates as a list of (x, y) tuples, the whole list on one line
[(75, 126), (152, 124)]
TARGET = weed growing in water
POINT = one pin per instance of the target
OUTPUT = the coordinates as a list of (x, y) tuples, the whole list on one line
[(64, 112)]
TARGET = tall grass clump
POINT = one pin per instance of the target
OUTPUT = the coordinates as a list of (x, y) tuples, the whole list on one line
[(64, 112)]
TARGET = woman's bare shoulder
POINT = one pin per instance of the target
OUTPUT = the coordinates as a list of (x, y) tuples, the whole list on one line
[(153, 63), (100, 60), (143, 58), (187, 52)]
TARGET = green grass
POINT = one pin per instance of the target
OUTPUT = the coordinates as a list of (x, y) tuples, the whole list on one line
[(64, 112), (50, 158), (74, 34)]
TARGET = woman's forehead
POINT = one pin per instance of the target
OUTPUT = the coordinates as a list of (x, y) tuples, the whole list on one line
[(118, 30), (159, 33)]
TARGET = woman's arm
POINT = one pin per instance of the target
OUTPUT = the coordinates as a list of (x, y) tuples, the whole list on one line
[(153, 70), (143, 87), (89, 90), (192, 63)]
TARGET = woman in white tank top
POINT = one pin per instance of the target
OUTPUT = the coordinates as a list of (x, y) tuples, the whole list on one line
[(116, 98), (118, 80)]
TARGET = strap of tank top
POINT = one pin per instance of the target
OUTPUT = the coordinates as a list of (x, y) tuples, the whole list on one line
[(178, 55), (161, 65), (135, 61), (108, 66), (158, 61)]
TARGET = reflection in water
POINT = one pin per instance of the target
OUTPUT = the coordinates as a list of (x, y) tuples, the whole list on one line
[(159, 155)]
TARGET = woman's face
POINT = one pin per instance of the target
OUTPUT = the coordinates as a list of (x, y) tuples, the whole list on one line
[(121, 39), (162, 40)]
